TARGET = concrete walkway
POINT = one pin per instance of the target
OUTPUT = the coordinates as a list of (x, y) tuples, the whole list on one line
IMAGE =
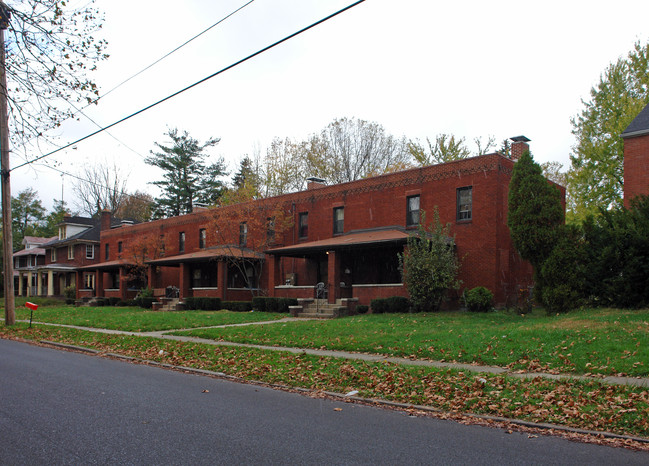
[(164, 335)]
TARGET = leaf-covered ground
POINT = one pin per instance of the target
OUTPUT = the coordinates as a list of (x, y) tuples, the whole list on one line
[(589, 405)]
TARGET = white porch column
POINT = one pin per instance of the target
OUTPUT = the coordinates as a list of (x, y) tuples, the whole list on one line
[(20, 283), (50, 283), (39, 283), (29, 284)]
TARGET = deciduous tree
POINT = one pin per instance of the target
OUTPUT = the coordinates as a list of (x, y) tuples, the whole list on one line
[(595, 178), (99, 187), (349, 149), (28, 215), (51, 46), (244, 229), (137, 206)]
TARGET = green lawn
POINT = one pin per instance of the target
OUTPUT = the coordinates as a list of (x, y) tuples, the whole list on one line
[(136, 319), (600, 341)]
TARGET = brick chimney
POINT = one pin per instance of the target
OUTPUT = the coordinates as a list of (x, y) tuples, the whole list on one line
[(106, 219), (314, 183), (519, 146)]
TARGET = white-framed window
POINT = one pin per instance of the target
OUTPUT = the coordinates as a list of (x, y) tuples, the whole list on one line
[(53, 255), (62, 232), (71, 251), (89, 281), (90, 251)]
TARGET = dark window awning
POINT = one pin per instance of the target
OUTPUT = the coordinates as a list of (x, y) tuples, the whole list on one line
[(369, 238), (220, 252)]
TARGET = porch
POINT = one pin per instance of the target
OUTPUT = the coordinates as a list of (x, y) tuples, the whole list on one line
[(227, 272), (360, 265)]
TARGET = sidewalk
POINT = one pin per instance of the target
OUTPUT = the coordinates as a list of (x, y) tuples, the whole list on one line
[(163, 334)]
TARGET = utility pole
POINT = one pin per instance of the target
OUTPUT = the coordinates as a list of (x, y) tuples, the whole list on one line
[(7, 240)]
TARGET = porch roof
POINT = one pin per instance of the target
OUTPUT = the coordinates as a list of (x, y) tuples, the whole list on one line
[(203, 255), (116, 264), (348, 240)]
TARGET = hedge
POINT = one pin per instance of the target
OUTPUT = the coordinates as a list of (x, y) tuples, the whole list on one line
[(268, 304), (394, 304), (203, 304), (237, 306)]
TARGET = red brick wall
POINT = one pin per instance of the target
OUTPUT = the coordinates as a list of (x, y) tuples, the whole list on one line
[(483, 243), (636, 167), (79, 259)]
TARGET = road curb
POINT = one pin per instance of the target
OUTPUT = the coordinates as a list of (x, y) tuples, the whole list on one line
[(358, 399)]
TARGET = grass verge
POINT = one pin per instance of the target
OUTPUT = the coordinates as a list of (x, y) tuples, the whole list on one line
[(587, 405), (599, 341), (136, 319)]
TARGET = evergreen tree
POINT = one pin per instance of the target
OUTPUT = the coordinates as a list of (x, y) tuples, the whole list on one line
[(535, 213), (186, 177)]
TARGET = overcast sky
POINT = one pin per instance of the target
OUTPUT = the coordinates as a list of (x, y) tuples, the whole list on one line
[(417, 67)]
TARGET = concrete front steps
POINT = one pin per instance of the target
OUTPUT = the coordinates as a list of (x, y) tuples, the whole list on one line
[(320, 308), (168, 304)]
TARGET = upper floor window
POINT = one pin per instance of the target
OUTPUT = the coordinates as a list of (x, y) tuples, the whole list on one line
[(202, 238), (90, 251), (62, 232), (181, 242), (71, 251), (243, 234), (106, 252), (270, 230), (303, 225), (412, 210), (53, 255), (120, 247), (162, 245), (464, 203), (339, 220)]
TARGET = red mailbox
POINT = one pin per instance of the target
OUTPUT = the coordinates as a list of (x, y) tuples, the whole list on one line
[(31, 306)]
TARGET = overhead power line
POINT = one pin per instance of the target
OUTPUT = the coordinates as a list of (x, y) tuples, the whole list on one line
[(265, 49), (171, 52), (80, 111)]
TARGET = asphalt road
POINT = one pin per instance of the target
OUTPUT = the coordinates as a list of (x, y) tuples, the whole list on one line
[(60, 407)]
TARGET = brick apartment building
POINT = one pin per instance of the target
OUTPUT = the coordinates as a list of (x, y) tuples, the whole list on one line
[(345, 236), (636, 157)]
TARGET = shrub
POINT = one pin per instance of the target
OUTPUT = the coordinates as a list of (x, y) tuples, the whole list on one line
[(203, 304), (563, 274), (259, 303), (478, 299), (284, 303), (145, 302), (70, 292), (398, 304), (237, 306), (429, 265), (113, 301), (271, 304), (394, 304), (362, 308)]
